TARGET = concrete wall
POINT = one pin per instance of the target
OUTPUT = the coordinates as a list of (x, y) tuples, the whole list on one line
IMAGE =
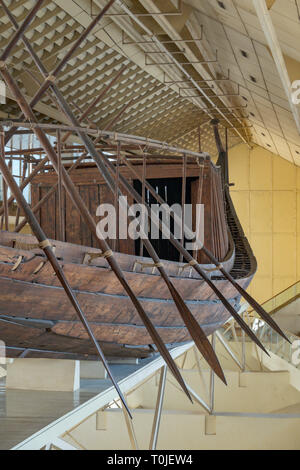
[(267, 199)]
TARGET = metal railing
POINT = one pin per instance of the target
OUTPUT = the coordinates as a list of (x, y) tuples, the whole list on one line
[(272, 341), (282, 298)]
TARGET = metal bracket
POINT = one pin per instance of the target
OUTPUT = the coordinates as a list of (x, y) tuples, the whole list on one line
[(172, 82), (199, 62), (169, 41), (165, 13), (209, 88)]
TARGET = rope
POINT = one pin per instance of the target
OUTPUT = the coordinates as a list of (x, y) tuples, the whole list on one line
[(147, 265), (193, 262), (45, 244), (92, 256), (17, 264), (217, 268)]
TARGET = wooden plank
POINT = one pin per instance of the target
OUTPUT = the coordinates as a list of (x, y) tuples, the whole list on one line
[(27, 300), (72, 221), (89, 175)]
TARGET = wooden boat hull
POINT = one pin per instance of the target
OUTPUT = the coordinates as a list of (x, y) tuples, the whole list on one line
[(37, 304), (37, 318)]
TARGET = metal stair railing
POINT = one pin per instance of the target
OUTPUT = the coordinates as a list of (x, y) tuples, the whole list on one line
[(272, 341)]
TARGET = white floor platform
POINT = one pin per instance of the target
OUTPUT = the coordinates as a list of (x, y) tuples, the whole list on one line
[(23, 412)]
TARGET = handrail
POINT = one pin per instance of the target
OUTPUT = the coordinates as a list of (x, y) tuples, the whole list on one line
[(271, 339), (273, 299)]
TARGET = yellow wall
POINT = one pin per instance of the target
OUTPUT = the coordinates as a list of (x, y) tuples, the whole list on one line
[(267, 199)]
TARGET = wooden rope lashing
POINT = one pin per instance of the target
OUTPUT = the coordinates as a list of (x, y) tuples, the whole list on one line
[(17, 264), (88, 257), (147, 265), (51, 78), (45, 244), (39, 267), (211, 270), (190, 265), (43, 263)]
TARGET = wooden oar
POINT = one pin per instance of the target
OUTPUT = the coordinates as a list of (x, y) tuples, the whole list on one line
[(182, 250), (193, 327), (46, 247)]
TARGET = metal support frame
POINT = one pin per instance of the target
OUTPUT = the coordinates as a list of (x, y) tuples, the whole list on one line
[(130, 429), (124, 43), (173, 82), (230, 95), (168, 53), (178, 65), (138, 14), (158, 408), (268, 29), (61, 211), (212, 379), (201, 375), (229, 350)]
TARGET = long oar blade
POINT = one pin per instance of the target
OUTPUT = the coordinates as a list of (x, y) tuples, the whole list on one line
[(231, 310), (198, 335), (163, 350), (260, 310)]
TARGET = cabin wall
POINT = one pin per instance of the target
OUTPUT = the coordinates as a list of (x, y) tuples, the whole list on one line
[(92, 190), (267, 199)]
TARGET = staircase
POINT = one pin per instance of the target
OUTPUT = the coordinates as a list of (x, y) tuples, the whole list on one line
[(260, 409)]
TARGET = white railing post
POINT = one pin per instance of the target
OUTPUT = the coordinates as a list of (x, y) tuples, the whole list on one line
[(158, 408)]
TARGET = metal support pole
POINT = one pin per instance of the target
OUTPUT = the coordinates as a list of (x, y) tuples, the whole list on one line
[(61, 210), (243, 347), (212, 378), (199, 139), (20, 31), (22, 181), (5, 202), (228, 349), (183, 200), (130, 429), (158, 408), (116, 198), (143, 195)]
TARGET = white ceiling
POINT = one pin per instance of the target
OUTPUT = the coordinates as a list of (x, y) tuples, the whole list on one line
[(170, 111), (238, 29)]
